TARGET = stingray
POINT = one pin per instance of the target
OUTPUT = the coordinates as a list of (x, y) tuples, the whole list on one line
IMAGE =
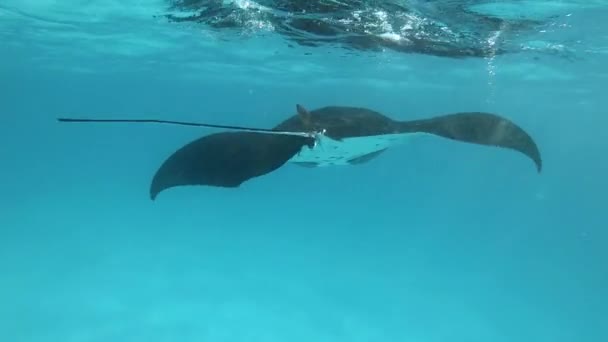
[(327, 136)]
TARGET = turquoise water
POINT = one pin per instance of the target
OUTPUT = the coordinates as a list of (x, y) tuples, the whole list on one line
[(432, 241)]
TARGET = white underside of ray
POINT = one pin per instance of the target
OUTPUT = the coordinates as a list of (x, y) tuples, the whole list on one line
[(330, 152)]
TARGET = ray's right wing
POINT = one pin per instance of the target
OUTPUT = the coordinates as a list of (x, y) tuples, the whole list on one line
[(478, 128)]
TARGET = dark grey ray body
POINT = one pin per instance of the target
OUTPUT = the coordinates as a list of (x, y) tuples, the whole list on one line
[(352, 122), (340, 122), (228, 159)]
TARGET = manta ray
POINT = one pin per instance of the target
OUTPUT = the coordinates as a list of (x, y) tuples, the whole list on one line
[(327, 136)]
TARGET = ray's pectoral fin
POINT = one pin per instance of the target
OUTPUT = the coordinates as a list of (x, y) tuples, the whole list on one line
[(226, 159), (479, 128)]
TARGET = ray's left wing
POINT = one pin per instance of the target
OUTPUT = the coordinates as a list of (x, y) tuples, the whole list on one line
[(226, 159)]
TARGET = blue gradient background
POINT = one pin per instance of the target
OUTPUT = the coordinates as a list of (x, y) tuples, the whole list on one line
[(432, 241)]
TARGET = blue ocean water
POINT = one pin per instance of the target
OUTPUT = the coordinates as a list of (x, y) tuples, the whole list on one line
[(432, 241)]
